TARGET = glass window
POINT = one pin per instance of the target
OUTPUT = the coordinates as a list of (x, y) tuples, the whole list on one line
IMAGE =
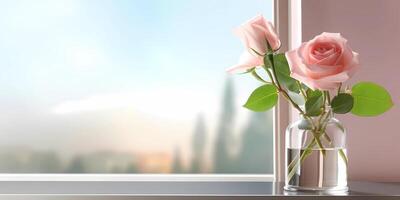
[(128, 86)]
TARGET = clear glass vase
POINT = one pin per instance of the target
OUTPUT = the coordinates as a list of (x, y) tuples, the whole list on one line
[(316, 156)]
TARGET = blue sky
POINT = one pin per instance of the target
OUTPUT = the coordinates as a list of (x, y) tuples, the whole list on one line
[(61, 56)]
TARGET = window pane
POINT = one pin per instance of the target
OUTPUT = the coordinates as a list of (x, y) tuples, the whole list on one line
[(128, 86)]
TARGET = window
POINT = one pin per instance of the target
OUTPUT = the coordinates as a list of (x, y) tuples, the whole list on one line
[(128, 86)]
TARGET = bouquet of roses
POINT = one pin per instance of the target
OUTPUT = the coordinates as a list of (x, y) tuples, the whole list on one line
[(311, 77)]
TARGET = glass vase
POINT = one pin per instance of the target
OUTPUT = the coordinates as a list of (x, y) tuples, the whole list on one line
[(316, 158)]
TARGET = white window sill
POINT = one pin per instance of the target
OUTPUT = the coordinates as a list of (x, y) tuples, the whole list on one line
[(173, 190)]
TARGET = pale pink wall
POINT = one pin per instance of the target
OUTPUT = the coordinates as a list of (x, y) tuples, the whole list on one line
[(373, 29)]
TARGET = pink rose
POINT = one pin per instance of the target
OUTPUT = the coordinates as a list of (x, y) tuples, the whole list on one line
[(323, 62), (254, 35)]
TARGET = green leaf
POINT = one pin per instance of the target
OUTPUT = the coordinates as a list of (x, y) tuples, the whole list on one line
[(314, 103), (312, 93), (309, 92), (342, 103), (283, 73), (262, 98), (267, 63), (370, 99)]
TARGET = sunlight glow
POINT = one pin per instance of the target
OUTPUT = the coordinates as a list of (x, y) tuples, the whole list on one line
[(39, 14)]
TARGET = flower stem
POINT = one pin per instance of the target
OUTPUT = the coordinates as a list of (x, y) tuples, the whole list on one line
[(297, 162), (328, 97), (341, 151), (270, 76), (278, 85), (286, 95), (344, 157), (322, 149), (271, 59), (302, 90), (340, 88)]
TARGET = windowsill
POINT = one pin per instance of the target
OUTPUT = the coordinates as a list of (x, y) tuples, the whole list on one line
[(181, 190)]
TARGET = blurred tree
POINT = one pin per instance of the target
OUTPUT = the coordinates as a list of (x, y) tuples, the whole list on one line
[(198, 146), (132, 169), (177, 166), (223, 160), (116, 170), (44, 162), (256, 152), (26, 160), (76, 166)]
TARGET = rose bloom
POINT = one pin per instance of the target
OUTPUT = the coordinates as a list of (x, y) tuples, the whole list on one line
[(254, 34), (323, 62)]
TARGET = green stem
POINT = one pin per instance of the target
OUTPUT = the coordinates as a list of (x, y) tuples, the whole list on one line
[(319, 132), (322, 149), (327, 138), (340, 88), (341, 151), (321, 120), (281, 90), (303, 155), (271, 59), (328, 97), (256, 52), (293, 163), (273, 77), (301, 90), (344, 157), (270, 76), (316, 140), (286, 95)]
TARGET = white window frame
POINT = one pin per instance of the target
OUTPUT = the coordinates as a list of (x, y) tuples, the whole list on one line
[(288, 24), (287, 18)]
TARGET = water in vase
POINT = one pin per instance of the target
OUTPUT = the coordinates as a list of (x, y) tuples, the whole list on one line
[(317, 171)]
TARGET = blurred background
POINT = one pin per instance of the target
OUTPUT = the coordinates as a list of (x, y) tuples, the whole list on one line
[(128, 86)]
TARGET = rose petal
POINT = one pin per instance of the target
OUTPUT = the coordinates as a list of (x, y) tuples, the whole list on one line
[(273, 37), (246, 62), (323, 62), (329, 59), (255, 33), (354, 65), (319, 71)]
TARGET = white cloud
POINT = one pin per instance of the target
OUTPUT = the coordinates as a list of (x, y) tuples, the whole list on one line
[(93, 103), (163, 103)]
